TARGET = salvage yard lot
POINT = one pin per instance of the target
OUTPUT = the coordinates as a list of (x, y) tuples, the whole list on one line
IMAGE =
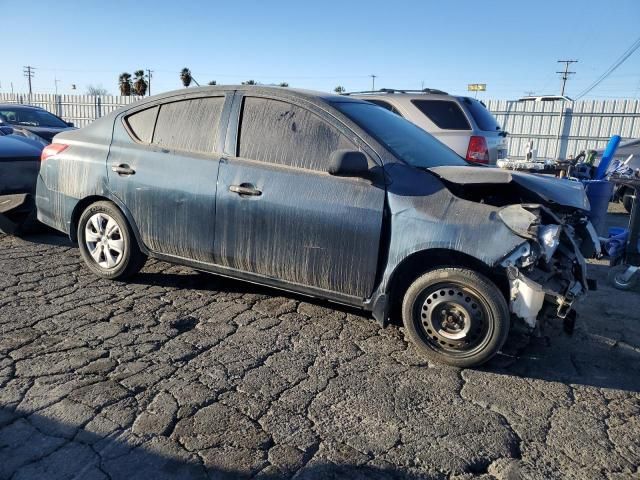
[(177, 374)]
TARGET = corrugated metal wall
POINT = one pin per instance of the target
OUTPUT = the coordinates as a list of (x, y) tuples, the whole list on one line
[(79, 109), (558, 129), (561, 129)]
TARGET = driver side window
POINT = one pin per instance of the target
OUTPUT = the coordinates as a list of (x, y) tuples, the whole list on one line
[(278, 132)]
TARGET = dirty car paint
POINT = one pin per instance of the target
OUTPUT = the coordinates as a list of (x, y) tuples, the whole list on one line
[(304, 230)]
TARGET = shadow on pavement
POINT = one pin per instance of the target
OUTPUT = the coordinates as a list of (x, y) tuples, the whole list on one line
[(604, 351), (37, 447), (51, 237), (596, 355)]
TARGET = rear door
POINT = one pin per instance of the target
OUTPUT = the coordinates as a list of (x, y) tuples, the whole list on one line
[(163, 165), (280, 215)]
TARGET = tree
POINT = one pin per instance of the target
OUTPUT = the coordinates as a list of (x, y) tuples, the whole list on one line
[(250, 82), (212, 82), (96, 90), (339, 89), (140, 85), (185, 77), (283, 84), (124, 82)]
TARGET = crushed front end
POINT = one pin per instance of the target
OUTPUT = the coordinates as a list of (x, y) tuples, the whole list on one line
[(547, 273)]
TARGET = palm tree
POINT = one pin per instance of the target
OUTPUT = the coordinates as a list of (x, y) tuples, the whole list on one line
[(185, 76), (124, 82), (140, 84), (283, 84), (339, 89), (212, 82), (250, 82)]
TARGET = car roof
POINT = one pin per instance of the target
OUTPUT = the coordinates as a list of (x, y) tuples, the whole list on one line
[(20, 105), (284, 92)]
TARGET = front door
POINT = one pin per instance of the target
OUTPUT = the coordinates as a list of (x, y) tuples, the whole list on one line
[(281, 216), (165, 172)]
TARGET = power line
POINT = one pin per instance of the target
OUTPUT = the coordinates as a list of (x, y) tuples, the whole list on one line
[(634, 46), (29, 73), (565, 74)]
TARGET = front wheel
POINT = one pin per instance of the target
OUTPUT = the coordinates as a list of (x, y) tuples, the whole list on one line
[(107, 244), (456, 316)]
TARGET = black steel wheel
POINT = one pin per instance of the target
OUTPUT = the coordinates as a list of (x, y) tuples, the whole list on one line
[(456, 316)]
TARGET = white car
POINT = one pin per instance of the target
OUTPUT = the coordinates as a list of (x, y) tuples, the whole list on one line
[(462, 123)]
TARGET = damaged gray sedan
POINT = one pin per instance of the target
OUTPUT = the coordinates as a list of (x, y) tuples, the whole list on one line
[(326, 196)]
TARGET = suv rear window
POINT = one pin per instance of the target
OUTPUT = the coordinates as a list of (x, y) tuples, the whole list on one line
[(386, 105), (446, 115), (481, 115)]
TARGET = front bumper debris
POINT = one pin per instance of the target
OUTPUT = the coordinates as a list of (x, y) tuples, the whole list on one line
[(547, 282)]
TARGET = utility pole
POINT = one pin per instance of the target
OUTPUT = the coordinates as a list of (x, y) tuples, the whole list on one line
[(29, 73), (529, 93), (373, 82), (566, 73), (56, 81), (149, 75)]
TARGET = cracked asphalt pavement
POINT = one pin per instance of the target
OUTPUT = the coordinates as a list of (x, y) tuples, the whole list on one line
[(184, 375)]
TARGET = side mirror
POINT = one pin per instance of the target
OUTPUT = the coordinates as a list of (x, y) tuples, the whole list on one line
[(348, 163), (70, 124)]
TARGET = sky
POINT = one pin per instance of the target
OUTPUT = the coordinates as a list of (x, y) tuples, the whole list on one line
[(512, 46)]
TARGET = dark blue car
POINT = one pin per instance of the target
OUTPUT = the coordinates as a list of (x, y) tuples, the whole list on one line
[(19, 166), (327, 196)]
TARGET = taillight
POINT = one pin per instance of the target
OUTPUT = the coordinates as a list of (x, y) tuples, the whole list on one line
[(51, 150), (478, 151)]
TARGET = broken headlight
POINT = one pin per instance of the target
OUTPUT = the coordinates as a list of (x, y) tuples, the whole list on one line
[(549, 237)]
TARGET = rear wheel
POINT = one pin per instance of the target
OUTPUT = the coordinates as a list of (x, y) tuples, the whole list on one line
[(456, 316), (107, 244)]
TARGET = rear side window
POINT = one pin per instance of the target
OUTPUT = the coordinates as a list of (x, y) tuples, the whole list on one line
[(278, 132), (190, 125), (446, 115), (386, 106), (481, 115), (141, 124)]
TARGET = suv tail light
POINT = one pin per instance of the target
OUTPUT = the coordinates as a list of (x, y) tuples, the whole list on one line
[(478, 151), (51, 150)]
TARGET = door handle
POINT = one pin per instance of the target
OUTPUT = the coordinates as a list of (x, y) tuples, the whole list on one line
[(245, 189), (123, 169)]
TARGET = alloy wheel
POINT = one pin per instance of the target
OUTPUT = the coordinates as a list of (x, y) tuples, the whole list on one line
[(104, 241)]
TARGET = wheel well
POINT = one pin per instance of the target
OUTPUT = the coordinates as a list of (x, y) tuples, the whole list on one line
[(77, 212), (419, 262)]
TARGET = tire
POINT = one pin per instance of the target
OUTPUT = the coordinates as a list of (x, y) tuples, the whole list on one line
[(456, 316), (615, 277), (627, 200), (107, 244)]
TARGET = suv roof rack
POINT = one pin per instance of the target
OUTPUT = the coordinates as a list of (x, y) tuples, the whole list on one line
[(433, 91)]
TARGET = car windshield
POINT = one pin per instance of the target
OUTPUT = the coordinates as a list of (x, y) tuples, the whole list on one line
[(481, 115), (405, 140), (30, 117)]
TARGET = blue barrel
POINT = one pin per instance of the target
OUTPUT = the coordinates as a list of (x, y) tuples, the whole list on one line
[(599, 194)]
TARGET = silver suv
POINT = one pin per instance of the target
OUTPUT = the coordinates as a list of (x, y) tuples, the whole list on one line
[(462, 123)]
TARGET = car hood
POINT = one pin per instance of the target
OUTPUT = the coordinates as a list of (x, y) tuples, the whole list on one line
[(551, 190)]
